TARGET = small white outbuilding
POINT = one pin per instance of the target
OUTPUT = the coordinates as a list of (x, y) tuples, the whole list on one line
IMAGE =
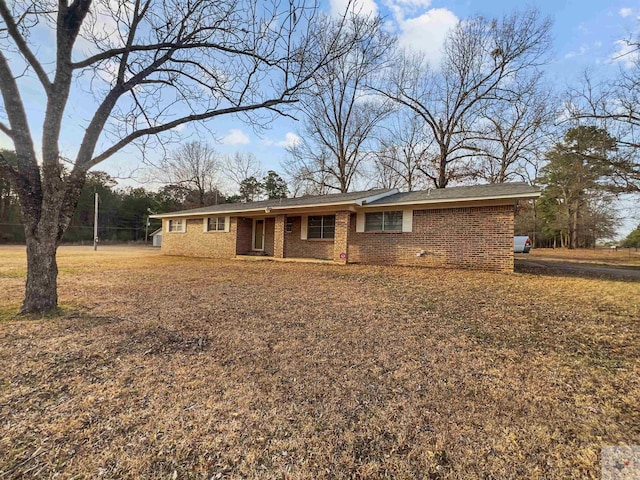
[(157, 238)]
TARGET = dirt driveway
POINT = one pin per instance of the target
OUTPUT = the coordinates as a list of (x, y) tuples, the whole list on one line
[(550, 266)]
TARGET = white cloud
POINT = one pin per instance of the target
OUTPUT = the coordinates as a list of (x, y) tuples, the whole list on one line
[(290, 140), (418, 27), (414, 3), (364, 7), (576, 53), (235, 137), (427, 32), (625, 12), (626, 53)]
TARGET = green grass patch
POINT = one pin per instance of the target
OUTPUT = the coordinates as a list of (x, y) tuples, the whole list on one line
[(14, 273)]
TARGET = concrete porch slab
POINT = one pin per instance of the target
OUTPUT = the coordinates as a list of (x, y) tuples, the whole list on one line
[(257, 258)]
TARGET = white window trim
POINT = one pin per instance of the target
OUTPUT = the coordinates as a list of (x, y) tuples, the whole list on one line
[(227, 226), (305, 227), (360, 221), (183, 225), (407, 220)]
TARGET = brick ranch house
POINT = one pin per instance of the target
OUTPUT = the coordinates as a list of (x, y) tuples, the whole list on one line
[(467, 227)]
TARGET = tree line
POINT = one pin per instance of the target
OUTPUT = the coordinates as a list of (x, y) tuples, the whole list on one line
[(195, 170)]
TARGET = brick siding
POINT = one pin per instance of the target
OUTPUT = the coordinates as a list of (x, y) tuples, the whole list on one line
[(245, 230), (294, 247), (269, 227), (341, 241), (472, 237), (278, 236), (197, 243), (479, 237)]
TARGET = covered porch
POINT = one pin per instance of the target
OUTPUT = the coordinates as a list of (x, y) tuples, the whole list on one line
[(321, 237)]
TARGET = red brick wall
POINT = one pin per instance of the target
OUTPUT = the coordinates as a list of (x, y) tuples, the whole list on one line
[(480, 238), (245, 230), (269, 231), (294, 247), (278, 236), (341, 241), (197, 243)]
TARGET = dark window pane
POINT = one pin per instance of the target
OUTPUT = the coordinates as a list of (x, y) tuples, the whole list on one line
[(289, 225), (393, 221), (373, 222), (314, 232), (329, 232), (315, 221), (329, 220)]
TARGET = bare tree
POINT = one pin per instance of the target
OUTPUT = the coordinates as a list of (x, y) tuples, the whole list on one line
[(241, 166), (159, 65), (196, 166), (615, 106), (515, 131), (401, 150), (339, 114), (481, 57)]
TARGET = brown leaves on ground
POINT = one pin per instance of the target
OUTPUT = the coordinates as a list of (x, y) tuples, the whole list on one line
[(168, 367)]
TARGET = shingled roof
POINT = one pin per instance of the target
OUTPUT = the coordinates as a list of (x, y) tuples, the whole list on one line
[(371, 198), (456, 194), (351, 198)]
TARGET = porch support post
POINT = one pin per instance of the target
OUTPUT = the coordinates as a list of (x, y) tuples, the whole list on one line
[(278, 236), (341, 239)]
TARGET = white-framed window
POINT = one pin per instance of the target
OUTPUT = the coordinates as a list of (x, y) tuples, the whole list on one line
[(216, 224), (321, 226), (176, 225), (383, 221), (288, 227)]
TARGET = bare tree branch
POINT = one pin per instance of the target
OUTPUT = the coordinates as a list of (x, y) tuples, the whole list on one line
[(22, 45), (481, 57), (153, 66)]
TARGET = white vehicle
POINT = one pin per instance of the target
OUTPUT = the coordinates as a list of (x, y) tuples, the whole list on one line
[(521, 244)]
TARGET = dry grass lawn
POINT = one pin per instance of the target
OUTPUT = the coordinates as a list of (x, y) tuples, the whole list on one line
[(605, 256), (167, 367)]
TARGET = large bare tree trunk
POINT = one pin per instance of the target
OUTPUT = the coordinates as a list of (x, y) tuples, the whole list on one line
[(154, 57), (41, 293)]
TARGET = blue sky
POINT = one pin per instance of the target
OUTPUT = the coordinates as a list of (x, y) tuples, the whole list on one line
[(586, 35)]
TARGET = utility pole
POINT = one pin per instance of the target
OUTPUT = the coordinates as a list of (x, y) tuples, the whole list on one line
[(95, 223), (148, 224)]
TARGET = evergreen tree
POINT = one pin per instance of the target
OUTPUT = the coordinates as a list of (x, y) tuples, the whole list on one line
[(580, 173), (633, 239), (251, 189), (274, 186)]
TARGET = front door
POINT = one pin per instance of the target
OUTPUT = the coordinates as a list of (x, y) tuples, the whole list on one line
[(258, 235)]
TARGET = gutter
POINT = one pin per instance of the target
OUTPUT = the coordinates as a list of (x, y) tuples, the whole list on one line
[(363, 203), (458, 199)]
